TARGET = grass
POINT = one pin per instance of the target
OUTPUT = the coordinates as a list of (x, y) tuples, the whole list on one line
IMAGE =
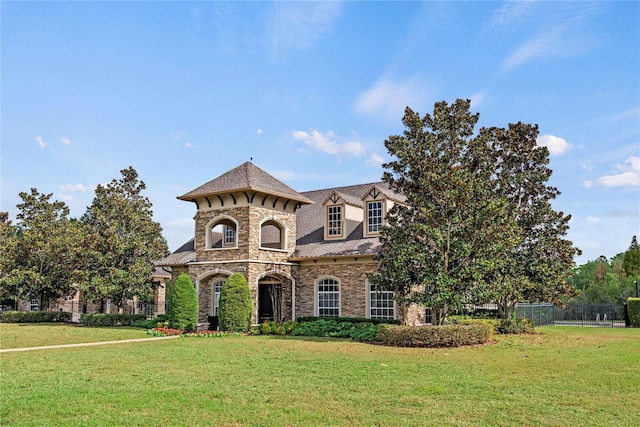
[(562, 376), (15, 335)]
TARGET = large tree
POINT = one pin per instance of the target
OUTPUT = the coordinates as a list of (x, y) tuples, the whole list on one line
[(453, 230), (122, 241), (39, 255), (631, 262), (536, 268)]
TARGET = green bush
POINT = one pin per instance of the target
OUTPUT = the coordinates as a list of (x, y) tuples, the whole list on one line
[(104, 319), (633, 307), (337, 327), (183, 305), (34, 316), (268, 328), (465, 320), (235, 304), (148, 324), (305, 319), (515, 326), (434, 336)]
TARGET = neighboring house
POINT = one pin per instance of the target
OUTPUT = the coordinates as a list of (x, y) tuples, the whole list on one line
[(303, 254)]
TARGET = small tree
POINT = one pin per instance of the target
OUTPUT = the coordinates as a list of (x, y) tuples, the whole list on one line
[(235, 306), (183, 305)]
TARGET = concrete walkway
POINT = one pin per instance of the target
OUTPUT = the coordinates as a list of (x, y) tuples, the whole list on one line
[(87, 344)]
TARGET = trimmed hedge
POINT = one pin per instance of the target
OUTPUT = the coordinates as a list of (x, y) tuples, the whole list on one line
[(500, 326), (330, 327), (34, 316), (434, 336), (183, 305), (105, 319), (235, 304), (349, 319), (633, 307)]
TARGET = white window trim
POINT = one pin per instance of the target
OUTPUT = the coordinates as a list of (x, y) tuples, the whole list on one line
[(366, 217), (215, 281), (368, 308), (327, 234), (209, 228), (316, 294)]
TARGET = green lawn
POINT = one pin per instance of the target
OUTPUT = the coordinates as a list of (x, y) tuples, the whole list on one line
[(15, 335), (562, 376)]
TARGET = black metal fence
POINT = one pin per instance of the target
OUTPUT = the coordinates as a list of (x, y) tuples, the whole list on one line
[(595, 315), (602, 315)]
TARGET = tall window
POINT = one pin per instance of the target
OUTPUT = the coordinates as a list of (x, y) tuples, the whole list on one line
[(328, 298), (229, 236), (33, 304), (381, 304), (217, 287), (374, 216), (335, 220)]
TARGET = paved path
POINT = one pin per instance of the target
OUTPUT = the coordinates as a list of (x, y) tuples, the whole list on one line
[(87, 344)]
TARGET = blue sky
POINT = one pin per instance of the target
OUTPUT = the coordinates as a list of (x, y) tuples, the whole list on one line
[(184, 91)]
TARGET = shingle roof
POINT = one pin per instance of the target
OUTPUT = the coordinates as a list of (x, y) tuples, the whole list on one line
[(245, 177), (310, 225), (182, 256)]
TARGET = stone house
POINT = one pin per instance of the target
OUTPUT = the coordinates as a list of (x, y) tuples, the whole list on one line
[(303, 254)]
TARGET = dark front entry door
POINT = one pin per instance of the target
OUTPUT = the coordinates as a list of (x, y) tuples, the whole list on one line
[(265, 306)]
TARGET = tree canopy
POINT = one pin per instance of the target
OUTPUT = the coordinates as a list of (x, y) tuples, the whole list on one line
[(122, 241), (477, 225)]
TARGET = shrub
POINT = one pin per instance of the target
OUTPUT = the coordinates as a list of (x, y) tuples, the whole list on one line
[(434, 336), (268, 328), (304, 319), (235, 305), (515, 326), (633, 307), (34, 316), (465, 320), (183, 306), (147, 324), (359, 330), (105, 319)]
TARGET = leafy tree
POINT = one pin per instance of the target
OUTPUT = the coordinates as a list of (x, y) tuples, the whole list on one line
[(631, 263), (38, 257), (235, 305), (536, 268), (439, 246), (183, 305), (122, 241)]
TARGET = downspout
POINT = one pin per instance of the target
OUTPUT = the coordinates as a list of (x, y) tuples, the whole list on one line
[(293, 299)]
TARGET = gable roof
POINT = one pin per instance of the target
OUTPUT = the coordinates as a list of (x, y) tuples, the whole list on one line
[(246, 177)]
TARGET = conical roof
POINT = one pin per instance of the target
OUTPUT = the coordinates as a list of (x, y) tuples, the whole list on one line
[(246, 177)]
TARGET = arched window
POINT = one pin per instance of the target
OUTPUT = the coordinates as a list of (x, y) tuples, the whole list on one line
[(328, 293), (222, 233), (272, 234)]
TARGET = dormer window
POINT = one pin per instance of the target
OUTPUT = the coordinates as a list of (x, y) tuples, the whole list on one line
[(334, 221), (374, 216)]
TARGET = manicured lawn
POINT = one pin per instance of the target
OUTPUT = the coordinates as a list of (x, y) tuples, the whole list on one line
[(562, 376), (15, 335)]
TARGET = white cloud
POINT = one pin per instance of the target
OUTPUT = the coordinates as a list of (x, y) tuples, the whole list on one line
[(388, 99), (65, 141), (587, 183), (592, 220), (72, 188), (295, 26), (188, 145), (40, 142), (178, 135), (629, 175), (259, 131), (555, 144), (477, 99), (327, 143), (375, 160)]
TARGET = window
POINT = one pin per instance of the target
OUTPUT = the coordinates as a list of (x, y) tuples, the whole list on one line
[(272, 235), (328, 298), (217, 287), (381, 304), (229, 236), (222, 233), (374, 216), (33, 304), (335, 220)]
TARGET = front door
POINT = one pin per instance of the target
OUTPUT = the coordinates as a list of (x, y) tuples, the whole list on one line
[(269, 297)]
